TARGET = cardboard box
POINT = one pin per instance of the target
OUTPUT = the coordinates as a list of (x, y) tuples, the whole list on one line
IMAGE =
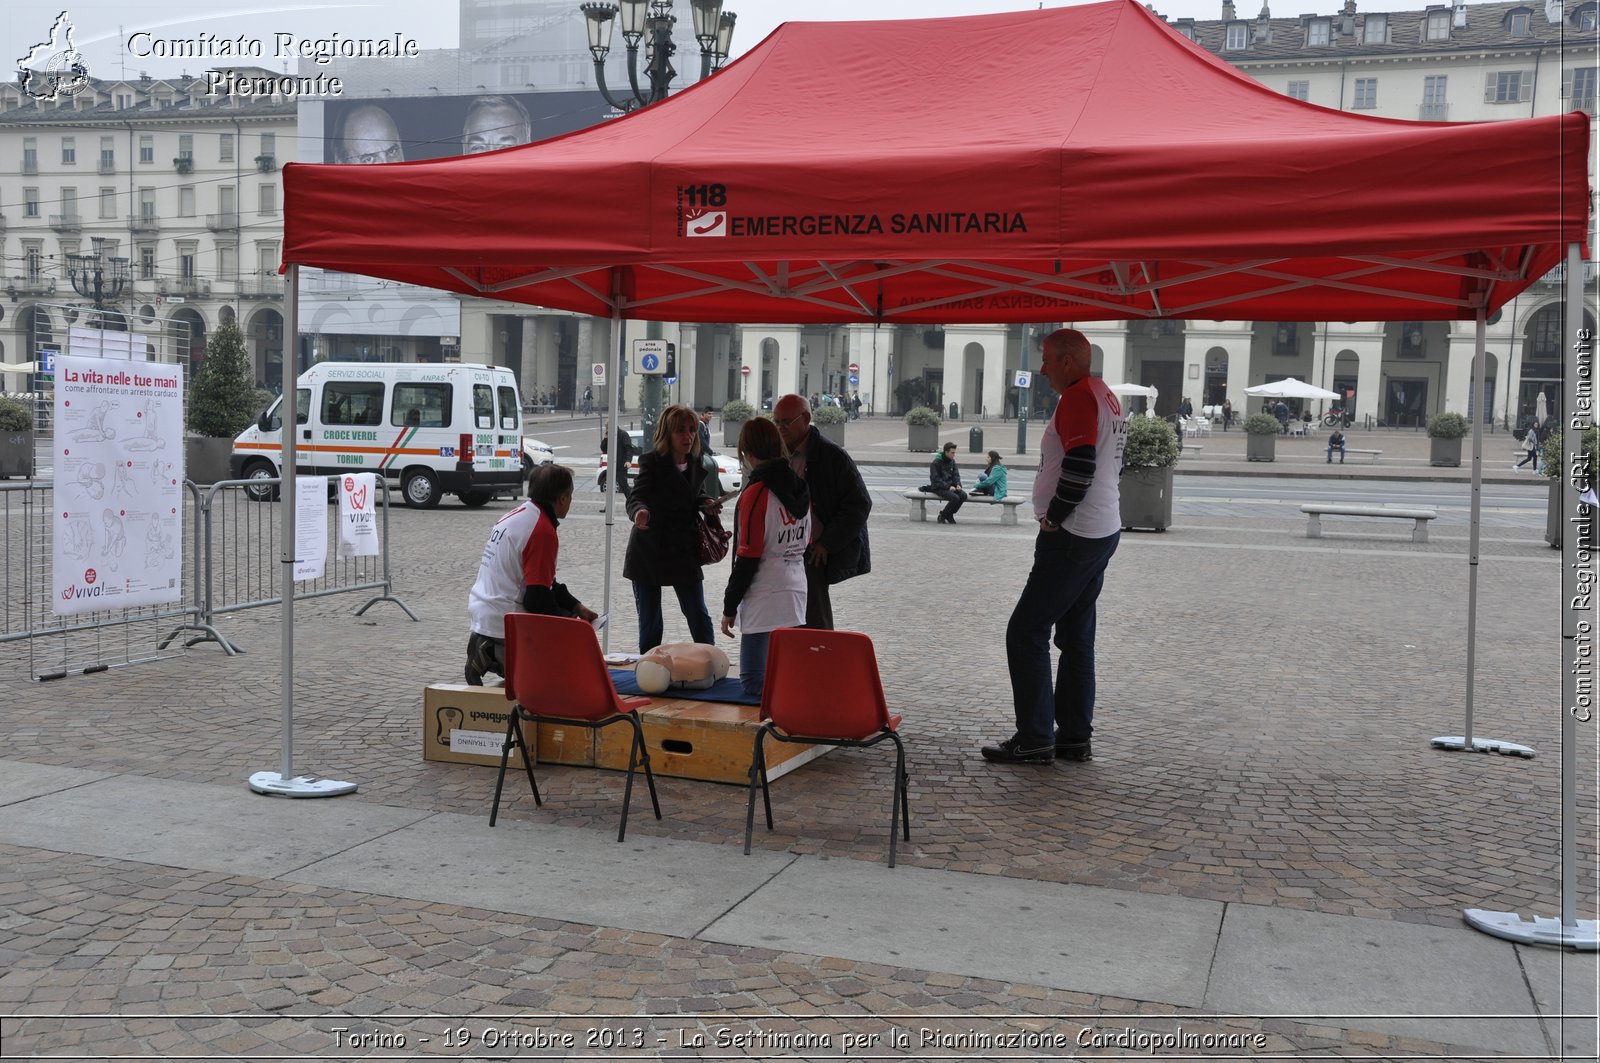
[(467, 725), (708, 740)]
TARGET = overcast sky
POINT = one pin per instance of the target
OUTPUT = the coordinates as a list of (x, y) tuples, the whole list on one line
[(102, 24)]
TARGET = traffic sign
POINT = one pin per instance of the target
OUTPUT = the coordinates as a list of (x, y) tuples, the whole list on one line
[(854, 379), (1024, 378), (744, 370), (650, 357), (598, 371), (854, 369)]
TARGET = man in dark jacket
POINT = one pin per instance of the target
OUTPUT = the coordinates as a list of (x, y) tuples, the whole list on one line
[(945, 481), (840, 506), (622, 454)]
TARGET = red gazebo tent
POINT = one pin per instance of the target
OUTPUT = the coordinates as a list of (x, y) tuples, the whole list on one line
[(1071, 164)]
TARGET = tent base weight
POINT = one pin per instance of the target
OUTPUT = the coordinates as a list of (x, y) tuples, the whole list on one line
[(273, 783), (1582, 934), (1458, 744)]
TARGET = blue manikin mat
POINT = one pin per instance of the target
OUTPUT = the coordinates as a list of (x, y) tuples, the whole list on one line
[(724, 690)]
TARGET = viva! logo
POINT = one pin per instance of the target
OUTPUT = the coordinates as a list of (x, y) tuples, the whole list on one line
[(89, 590), (358, 499)]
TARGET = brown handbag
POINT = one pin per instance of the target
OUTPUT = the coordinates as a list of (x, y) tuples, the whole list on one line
[(714, 539)]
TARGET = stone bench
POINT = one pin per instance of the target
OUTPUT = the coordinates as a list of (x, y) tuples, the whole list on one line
[(1358, 452), (1315, 511), (1191, 446), (536, 407), (1008, 505)]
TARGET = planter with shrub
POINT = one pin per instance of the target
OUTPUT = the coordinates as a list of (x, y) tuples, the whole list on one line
[(1553, 463), (1445, 432), (830, 421), (223, 400), (16, 438), (922, 429), (1148, 459), (735, 412), (1261, 437)]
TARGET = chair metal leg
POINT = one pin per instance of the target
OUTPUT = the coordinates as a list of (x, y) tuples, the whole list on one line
[(897, 799), (649, 776), (627, 789), (756, 771), (513, 738), (766, 790)]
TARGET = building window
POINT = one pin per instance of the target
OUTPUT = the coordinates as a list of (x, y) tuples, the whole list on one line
[(108, 202), (186, 146), (1366, 94), (147, 263), (124, 100), (186, 201), (1299, 90), (267, 199), (1434, 107), (225, 148), (1238, 37), (1580, 88), (1375, 30), (69, 203), (186, 261), (30, 202), (269, 143), (1412, 342), (1286, 338), (227, 260), (69, 151), (1507, 86), (30, 154), (1517, 23), (147, 148), (1319, 33), (147, 204), (1584, 19), (33, 259), (1437, 28)]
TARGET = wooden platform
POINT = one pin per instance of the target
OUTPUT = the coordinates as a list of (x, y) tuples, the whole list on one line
[(708, 740)]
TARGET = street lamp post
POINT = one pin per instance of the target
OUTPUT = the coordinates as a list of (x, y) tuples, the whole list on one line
[(98, 276), (651, 21)]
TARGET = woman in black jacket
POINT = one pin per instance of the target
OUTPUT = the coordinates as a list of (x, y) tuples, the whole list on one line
[(664, 546)]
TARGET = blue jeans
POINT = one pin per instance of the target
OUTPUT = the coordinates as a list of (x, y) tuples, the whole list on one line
[(691, 599), (1068, 572), (1333, 447), (753, 661)]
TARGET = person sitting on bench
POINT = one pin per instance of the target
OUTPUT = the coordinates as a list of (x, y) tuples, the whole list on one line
[(1336, 440), (946, 477), (993, 480)]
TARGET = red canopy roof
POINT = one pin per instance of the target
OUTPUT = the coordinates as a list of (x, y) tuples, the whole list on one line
[(1080, 163)]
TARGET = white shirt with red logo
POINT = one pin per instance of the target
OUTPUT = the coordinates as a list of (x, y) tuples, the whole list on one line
[(521, 552), (768, 531), (1087, 413)]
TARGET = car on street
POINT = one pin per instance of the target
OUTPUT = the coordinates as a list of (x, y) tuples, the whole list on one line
[(728, 470)]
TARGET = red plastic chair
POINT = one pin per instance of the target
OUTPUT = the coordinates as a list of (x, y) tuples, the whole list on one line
[(554, 672), (822, 688)]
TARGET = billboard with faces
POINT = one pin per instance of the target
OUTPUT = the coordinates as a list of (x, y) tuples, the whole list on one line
[(398, 129)]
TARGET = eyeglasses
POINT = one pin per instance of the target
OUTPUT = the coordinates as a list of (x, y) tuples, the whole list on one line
[(785, 422)]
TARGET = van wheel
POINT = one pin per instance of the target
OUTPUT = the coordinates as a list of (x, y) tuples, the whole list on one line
[(474, 499), (261, 470), (421, 489)]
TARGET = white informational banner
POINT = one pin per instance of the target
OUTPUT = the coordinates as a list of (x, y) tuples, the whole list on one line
[(105, 343), (118, 518), (310, 526), (358, 515)]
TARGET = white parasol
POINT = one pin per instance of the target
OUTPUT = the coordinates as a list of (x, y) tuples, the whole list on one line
[(1290, 388)]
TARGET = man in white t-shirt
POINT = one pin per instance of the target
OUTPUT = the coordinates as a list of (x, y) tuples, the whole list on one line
[(1077, 505)]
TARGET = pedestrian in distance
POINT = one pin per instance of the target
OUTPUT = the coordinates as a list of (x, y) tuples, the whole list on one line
[(1530, 443), (618, 446), (1076, 502), (588, 401), (1227, 414), (840, 506), (517, 572), (665, 506), (993, 480), (705, 431), (1336, 442), (772, 522), (944, 477)]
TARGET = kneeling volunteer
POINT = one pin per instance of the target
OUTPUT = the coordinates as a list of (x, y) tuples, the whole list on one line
[(518, 571)]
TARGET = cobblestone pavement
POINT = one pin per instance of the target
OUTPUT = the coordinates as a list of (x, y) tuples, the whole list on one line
[(1266, 704)]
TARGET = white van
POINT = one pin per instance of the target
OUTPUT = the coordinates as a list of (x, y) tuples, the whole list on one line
[(439, 429)]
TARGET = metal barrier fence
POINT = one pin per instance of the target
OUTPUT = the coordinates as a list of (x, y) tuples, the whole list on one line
[(234, 563)]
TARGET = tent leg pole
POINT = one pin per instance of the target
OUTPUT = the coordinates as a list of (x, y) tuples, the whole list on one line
[(1467, 740), (612, 425), (1577, 641), (283, 782)]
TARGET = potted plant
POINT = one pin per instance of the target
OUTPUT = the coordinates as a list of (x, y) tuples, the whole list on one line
[(1553, 461), (184, 164), (830, 421), (922, 434), (222, 402), (735, 412), (1444, 433), (1148, 457), (16, 438), (1261, 437)]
